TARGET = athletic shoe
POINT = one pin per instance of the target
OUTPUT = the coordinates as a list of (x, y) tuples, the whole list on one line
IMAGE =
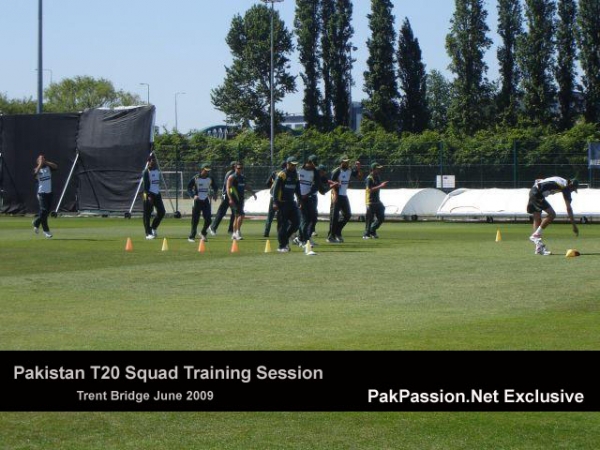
[(36, 230), (314, 233), (535, 238), (540, 249), (332, 240), (153, 231), (366, 236), (339, 239), (266, 235), (192, 240), (211, 231), (150, 236), (48, 234), (296, 241), (203, 237), (283, 250), (374, 235)]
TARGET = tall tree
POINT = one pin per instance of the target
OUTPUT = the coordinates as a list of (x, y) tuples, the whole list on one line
[(380, 78), (510, 28), (566, 54), (11, 106), (342, 68), (328, 60), (589, 46), (414, 116), (466, 45), (83, 92), (307, 25), (439, 97), (246, 92), (536, 60)]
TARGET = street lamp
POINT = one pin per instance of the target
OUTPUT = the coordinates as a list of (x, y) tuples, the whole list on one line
[(176, 94), (272, 108), (148, 86)]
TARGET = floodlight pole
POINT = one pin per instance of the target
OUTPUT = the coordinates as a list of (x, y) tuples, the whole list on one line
[(148, 86), (272, 107), (40, 80)]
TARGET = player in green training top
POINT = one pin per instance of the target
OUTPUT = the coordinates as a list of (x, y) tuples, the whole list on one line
[(375, 209), (236, 188), (200, 188)]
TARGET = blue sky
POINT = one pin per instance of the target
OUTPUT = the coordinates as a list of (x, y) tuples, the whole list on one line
[(178, 46)]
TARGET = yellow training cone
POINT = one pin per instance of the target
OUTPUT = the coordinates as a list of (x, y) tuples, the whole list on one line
[(128, 245), (498, 236), (202, 246), (572, 253), (268, 246), (234, 246), (165, 245)]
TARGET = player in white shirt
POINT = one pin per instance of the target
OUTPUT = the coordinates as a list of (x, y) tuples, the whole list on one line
[(340, 212), (43, 174), (152, 198), (201, 187), (537, 203)]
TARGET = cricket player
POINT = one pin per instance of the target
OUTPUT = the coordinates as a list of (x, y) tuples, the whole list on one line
[(152, 198), (286, 187), (537, 203), (340, 212), (236, 188), (43, 174), (375, 209), (200, 188)]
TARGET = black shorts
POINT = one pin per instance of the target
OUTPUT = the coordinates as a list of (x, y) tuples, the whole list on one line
[(537, 202), (238, 208)]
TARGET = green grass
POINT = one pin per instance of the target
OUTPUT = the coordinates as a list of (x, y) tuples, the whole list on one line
[(429, 286)]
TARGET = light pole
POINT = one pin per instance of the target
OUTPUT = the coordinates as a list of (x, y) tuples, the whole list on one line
[(351, 82), (40, 80), (176, 94), (272, 107), (148, 86)]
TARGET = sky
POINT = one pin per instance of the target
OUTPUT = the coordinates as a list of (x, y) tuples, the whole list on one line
[(177, 48)]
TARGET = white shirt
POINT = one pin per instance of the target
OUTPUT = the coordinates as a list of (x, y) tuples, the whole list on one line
[(44, 178), (154, 181), (203, 187), (307, 178)]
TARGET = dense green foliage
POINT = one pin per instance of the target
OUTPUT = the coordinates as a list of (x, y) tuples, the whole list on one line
[(566, 30), (536, 145)]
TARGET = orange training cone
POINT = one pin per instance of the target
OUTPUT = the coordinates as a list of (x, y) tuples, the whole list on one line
[(234, 246), (268, 246), (165, 245), (202, 246), (128, 245), (498, 236)]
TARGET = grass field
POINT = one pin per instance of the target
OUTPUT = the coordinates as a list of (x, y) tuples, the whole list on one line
[(424, 286)]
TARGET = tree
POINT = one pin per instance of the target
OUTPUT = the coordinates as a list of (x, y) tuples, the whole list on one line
[(85, 92), (380, 78), (23, 106), (510, 29), (328, 61), (342, 66), (245, 95), (589, 46), (566, 31), (536, 60), (439, 96), (307, 24), (414, 115), (466, 45)]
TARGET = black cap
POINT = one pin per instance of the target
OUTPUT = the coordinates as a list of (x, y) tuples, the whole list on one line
[(313, 159), (292, 160)]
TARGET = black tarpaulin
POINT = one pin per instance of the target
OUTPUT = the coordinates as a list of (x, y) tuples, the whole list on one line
[(23, 138), (113, 149)]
